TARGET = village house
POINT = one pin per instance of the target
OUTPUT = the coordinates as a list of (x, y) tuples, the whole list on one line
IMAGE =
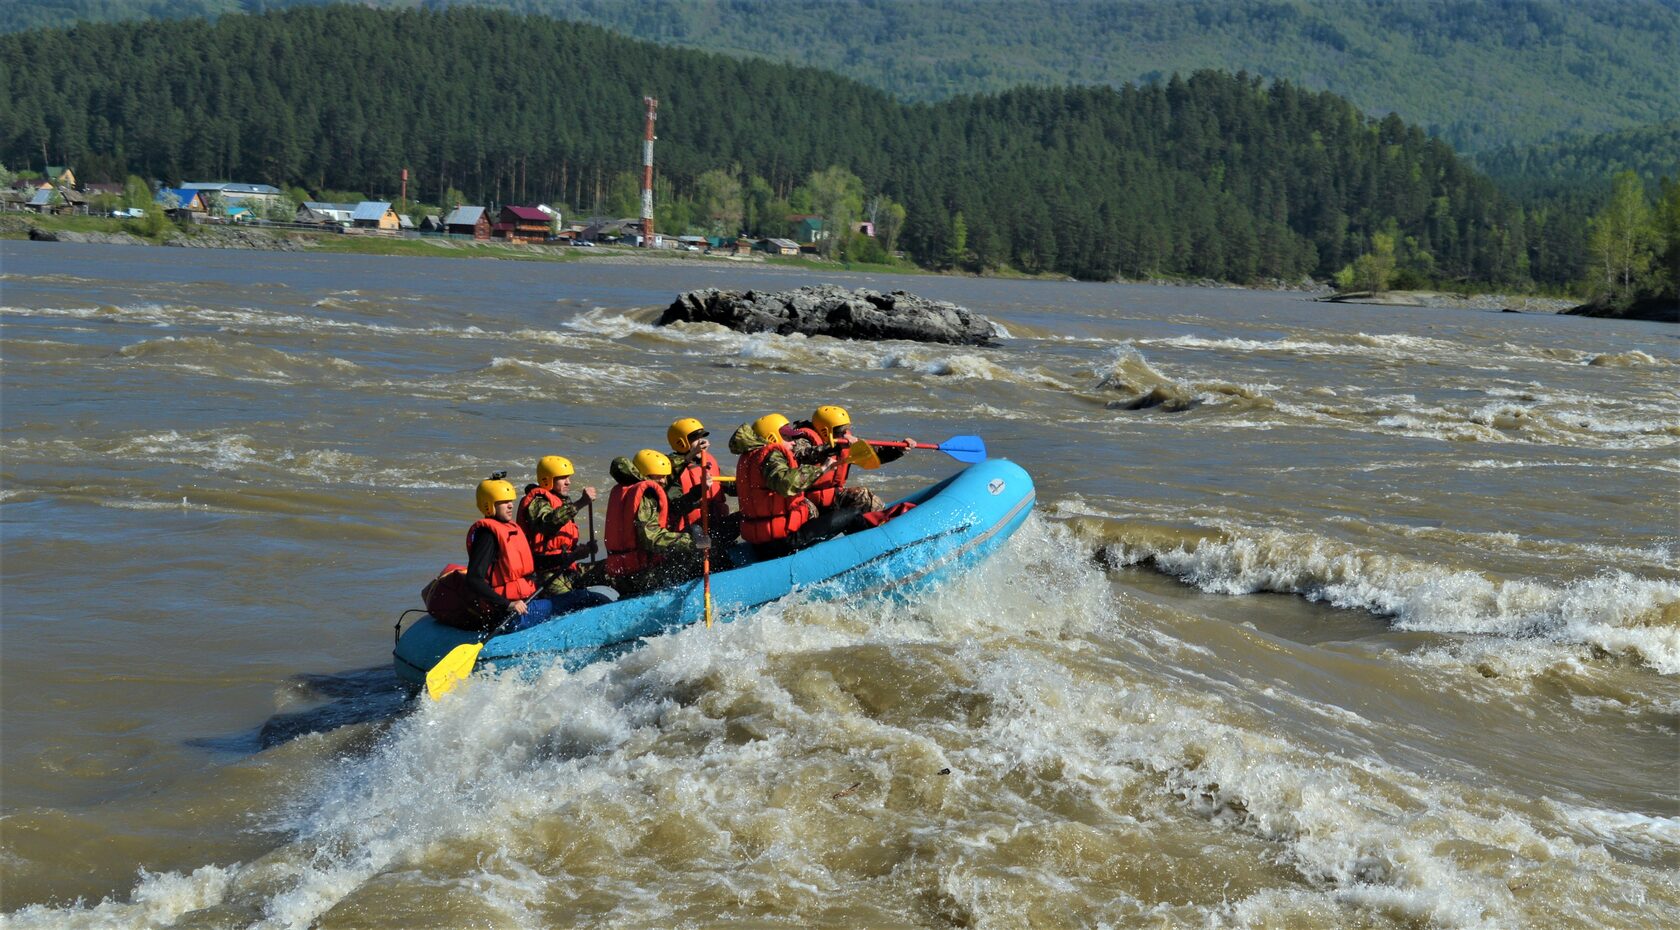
[(523, 224), (730, 245), (808, 228), (431, 223), (236, 192), (375, 214), (321, 213), (61, 176), (468, 221), (181, 201), (778, 246), (605, 229), (48, 200)]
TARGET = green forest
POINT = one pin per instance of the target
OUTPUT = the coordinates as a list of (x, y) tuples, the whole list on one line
[(1480, 74), (1212, 175)]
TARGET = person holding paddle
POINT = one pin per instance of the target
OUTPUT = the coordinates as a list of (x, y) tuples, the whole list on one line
[(829, 433), (549, 520), (499, 560), (777, 515), (643, 553), (695, 486)]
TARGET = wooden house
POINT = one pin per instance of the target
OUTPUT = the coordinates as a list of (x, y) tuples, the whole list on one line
[(61, 175), (322, 213), (375, 214), (468, 221), (523, 224), (181, 201), (778, 246)]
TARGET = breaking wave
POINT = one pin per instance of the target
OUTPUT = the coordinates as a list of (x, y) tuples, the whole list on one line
[(1615, 611), (1142, 387)]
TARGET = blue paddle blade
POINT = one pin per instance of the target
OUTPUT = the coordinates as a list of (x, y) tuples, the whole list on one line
[(966, 449)]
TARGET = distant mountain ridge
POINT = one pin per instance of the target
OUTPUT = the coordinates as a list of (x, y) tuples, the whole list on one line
[(1480, 74)]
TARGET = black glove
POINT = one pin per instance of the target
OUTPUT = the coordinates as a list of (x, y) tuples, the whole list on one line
[(702, 539), (584, 550)]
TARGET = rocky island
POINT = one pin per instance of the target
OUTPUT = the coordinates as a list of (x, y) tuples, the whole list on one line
[(829, 310)]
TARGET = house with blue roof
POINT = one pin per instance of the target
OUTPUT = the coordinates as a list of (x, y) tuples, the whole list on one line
[(375, 214), (181, 200)]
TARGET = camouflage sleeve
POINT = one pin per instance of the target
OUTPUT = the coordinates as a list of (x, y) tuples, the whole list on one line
[(785, 479), (654, 537), (550, 517)]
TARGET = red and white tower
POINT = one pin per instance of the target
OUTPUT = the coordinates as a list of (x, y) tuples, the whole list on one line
[(647, 173)]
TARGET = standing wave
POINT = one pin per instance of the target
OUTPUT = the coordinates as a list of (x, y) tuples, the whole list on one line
[(1614, 611)]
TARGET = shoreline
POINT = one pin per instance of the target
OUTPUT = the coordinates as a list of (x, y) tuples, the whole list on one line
[(102, 231)]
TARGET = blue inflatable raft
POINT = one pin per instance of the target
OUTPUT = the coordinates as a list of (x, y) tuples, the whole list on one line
[(954, 525)]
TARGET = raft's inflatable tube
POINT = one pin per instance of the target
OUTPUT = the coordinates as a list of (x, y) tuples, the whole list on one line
[(954, 525)]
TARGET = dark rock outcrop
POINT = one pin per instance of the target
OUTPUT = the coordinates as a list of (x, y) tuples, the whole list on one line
[(828, 310), (1656, 309)]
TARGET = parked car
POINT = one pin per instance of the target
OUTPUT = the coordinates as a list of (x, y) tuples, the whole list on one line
[(584, 244)]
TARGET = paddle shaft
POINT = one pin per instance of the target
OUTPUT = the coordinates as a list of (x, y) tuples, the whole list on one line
[(894, 444), (706, 553), (969, 449)]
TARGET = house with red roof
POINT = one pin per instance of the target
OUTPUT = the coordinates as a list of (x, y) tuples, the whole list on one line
[(524, 224)]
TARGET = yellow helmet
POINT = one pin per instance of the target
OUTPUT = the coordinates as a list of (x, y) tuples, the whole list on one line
[(550, 467), (652, 464), (829, 418), (769, 427), (681, 431), (492, 491)]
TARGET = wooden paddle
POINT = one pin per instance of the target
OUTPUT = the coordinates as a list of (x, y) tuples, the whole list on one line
[(706, 553)]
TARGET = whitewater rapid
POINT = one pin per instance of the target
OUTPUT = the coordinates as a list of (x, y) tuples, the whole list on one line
[(1329, 617)]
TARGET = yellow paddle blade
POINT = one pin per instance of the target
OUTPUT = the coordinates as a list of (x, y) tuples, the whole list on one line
[(452, 670), (862, 454)]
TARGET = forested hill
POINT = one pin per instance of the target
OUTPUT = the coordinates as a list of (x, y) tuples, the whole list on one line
[(1479, 73), (1586, 164), (1217, 175)]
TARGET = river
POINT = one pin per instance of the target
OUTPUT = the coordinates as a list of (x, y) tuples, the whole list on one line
[(1329, 615)]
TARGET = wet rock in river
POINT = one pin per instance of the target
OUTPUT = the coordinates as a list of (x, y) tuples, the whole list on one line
[(828, 310)]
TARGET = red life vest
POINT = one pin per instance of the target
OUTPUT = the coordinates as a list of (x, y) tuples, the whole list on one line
[(624, 550), (823, 490), (688, 479), (510, 574), (564, 540), (767, 516)]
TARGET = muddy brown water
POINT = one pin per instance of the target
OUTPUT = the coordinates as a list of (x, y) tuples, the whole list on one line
[(1330, 616)]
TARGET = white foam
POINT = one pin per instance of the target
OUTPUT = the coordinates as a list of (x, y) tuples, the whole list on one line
[(158, 900), (1615, 611)]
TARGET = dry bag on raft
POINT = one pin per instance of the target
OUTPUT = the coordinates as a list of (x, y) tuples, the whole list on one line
[(451, 602)]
